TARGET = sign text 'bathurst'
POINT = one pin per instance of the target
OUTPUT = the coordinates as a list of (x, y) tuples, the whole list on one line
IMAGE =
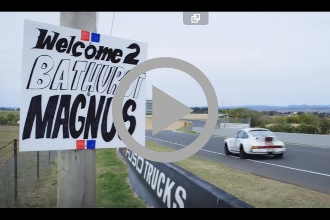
[(69, 79)]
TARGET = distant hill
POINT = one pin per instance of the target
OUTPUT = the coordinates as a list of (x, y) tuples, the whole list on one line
[(274, 108)]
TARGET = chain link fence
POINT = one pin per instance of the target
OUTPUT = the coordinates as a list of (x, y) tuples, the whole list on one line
[(20, 171)]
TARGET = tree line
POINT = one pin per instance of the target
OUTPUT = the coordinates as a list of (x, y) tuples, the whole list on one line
[(302, 122), (9, 119)]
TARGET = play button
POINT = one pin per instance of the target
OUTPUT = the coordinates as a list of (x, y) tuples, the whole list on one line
[(166, 110)]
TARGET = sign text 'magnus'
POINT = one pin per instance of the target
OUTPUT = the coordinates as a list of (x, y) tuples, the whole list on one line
[(69, 79)]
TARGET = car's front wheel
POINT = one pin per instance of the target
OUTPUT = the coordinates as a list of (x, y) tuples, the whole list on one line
[(242, 153), (227, 152)]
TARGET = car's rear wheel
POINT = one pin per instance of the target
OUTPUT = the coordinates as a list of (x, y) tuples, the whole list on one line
[(242, 153), (278, 156), (227, 152)]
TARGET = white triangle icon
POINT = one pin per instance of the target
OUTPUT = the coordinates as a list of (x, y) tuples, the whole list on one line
[(165, 110)]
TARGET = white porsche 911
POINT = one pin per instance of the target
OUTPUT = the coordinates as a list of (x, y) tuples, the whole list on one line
[(254, 141)]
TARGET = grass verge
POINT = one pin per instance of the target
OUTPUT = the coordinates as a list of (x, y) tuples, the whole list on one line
[(258, 191), (184, 130), (184, 127), (189, 132), (112, 187)]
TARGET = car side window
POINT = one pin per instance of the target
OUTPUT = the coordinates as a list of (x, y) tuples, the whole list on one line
[(245, 135), (241, 134), (238, 134)]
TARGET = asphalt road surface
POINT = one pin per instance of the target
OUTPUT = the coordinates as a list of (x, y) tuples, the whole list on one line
[(301, 165)]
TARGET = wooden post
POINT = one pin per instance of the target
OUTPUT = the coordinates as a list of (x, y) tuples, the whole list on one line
[(15, 169), (77, 169)]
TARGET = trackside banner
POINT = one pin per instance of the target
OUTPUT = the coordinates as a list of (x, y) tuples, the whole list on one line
[(165, 185), (69, 78)]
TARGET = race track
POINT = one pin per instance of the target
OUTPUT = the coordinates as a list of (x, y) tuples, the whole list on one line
[(301, 165)]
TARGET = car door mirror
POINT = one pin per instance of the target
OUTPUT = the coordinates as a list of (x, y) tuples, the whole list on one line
[(236, 136)]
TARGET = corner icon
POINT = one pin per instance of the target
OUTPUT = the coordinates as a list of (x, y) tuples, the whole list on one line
[(195, 18)]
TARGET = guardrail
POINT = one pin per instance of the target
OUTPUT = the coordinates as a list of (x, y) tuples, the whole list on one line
[(232, 125), (297, 138), (165, 185)]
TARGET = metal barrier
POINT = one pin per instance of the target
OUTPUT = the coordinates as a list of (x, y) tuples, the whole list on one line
[(166, 185), (229, 122), (322, 140)]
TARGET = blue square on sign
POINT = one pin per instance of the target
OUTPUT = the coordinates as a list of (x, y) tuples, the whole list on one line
[(95, 37), (91, 144)]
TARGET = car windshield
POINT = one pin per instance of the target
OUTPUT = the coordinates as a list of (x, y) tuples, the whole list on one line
[(261, 133)]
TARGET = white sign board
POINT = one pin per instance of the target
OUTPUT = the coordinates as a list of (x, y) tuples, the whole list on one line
[(69, 77)]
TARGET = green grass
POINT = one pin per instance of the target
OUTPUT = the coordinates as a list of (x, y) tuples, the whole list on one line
[(189, 132), (44, 193), (112, 187), (113, 190), (258, 191), (184, 127), (7, 134)]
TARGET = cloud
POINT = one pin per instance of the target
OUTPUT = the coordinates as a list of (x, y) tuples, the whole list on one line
[(267, 58)]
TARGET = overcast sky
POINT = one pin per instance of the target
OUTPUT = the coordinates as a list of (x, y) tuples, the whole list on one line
[(261, 58)]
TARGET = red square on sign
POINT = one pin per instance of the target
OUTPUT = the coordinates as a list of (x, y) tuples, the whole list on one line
[(80, 144), (85, 35)]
